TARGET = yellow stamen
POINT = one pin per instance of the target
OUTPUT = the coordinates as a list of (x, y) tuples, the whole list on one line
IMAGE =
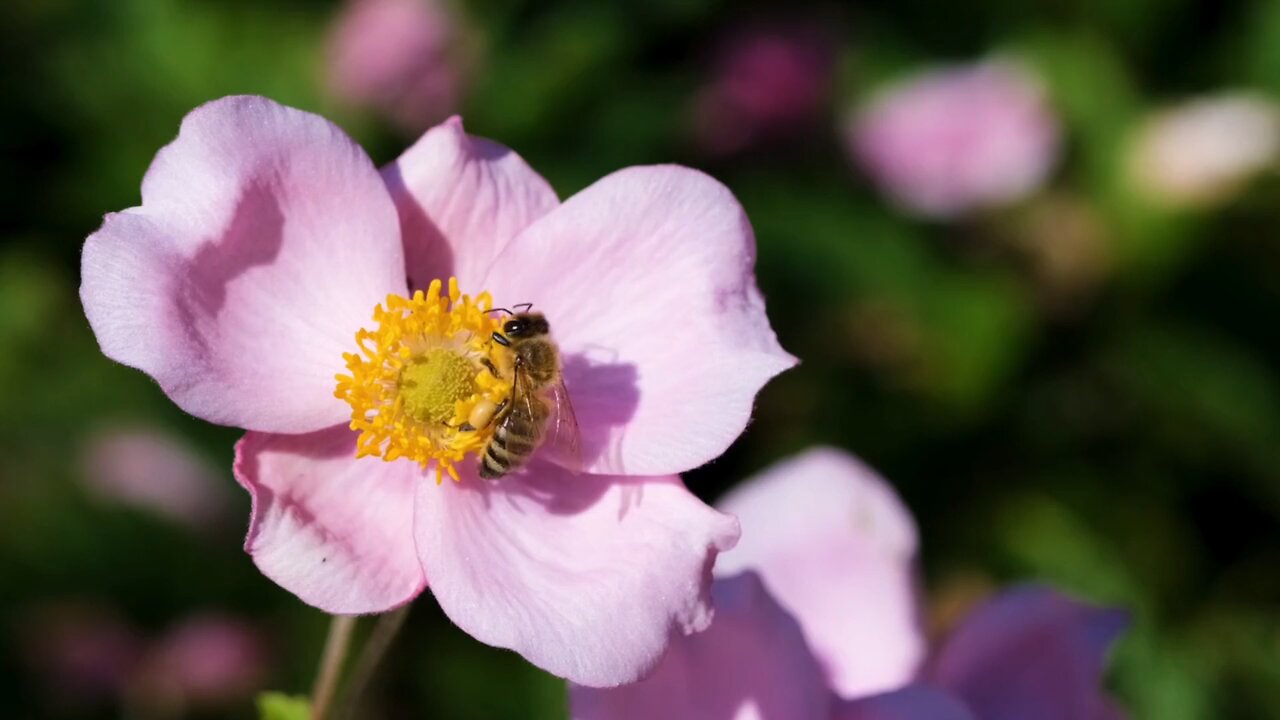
[(418, 375)]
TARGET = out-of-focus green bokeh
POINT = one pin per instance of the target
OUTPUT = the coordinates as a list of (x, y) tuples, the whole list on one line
[(1116, 433)]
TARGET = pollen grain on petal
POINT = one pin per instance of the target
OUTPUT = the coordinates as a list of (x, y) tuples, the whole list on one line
[(417, 376)]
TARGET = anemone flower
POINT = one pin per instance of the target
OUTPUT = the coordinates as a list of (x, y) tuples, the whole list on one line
[(816, 619), (206, 659), (958, 139), (244, 284), (768, 81), (408, 59)]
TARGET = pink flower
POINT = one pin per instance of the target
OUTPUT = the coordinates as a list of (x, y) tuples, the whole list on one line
[(244, 285), (84, 651), (817, 617), (406, 58), (767, 81), (958, 139), (150, 470), (206, 660)]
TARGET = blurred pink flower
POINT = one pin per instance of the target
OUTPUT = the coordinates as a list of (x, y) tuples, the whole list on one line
[(406, 58), (265, 238), (1203, 150), (151, 470), (85, 652), (817, 618), (957, 139), (205, 660), (767, 81)]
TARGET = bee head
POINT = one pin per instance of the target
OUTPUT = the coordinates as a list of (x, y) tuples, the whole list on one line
[(525, 325)]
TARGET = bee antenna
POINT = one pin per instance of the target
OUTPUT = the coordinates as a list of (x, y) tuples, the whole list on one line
[(499, 309), (527, 306)]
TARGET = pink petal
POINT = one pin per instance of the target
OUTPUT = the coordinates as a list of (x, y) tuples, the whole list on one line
[(914, 702), (588, 577), (646, 278), (837, 548), (751, 664), (1031, 652), (334, 530), (461, 199), (264, 240)]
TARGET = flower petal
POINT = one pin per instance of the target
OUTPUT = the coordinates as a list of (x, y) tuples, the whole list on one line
[(647, 280), (461, 199), (1031, 652), (914, 702), (264, 240), (335, 531), (751, 664), (585, 576), (837, 548)]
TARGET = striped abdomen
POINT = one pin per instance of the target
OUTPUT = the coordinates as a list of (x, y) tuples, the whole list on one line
[(515, 438)]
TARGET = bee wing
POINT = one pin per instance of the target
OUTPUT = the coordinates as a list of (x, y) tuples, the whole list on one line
[(521, 396), (564, 441)]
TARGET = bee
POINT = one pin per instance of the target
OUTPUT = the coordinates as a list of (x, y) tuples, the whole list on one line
[(538, 408)]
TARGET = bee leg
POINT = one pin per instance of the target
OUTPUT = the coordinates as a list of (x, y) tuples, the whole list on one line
[(482, 415), (492, 368)]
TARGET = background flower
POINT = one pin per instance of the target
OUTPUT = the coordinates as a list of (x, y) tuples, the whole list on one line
[(833, 544), (956, 139), (1201, 151), (407, 59), (154, 471)]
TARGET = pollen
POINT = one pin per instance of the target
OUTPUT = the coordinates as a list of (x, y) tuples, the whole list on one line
[(417, 376)]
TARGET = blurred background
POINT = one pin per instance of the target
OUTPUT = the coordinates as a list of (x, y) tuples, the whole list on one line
[(1028, 252)]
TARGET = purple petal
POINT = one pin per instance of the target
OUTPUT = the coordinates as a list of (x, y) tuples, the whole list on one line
[(751, 664), (1031, 652)]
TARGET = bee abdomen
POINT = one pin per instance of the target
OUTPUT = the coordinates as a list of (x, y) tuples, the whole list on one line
[(512, 444)]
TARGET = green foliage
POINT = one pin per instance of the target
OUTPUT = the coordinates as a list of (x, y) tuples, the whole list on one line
[(279, 706)]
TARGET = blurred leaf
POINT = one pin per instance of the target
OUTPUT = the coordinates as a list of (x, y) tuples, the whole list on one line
[(1259, 46), (1207, 397), (278, 706)]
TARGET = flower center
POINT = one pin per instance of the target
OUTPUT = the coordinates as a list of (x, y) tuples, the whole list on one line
[(433, 385), (419, 375)]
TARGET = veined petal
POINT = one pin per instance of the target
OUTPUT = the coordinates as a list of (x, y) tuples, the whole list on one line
[(335, 531), (461, 199), (837, 548), (647, 278), (264, 240), (586, 576), (751, 664), (1031, 652)]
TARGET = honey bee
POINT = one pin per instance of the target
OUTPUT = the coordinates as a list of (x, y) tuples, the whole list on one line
[(538, 408)]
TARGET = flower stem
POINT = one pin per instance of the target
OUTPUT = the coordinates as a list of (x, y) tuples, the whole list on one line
[(336, 646), (375, 648)]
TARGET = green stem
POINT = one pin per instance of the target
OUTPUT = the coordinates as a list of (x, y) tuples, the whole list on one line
[(375, 648), (336, 646)]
